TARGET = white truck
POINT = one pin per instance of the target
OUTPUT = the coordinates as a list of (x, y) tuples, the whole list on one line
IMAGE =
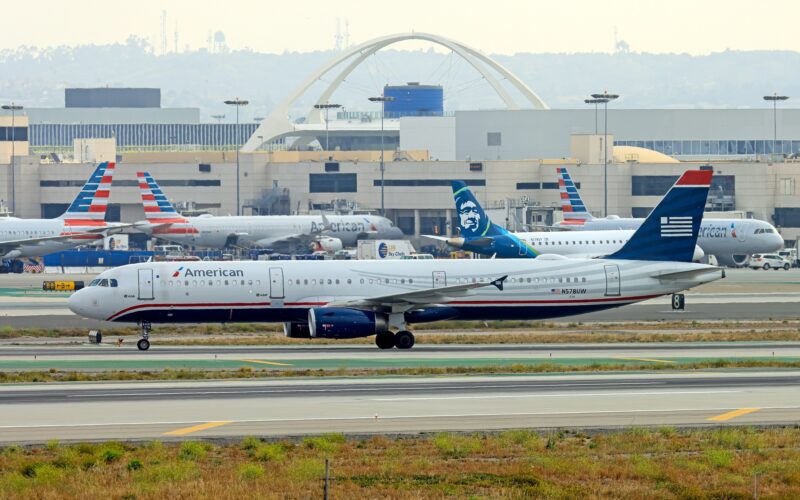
[(384, 249)]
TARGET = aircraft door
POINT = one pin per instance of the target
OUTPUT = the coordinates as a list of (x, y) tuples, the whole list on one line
[(522, 250), (739, 230), (146, 284), (612, 280), (439, 279), (276, 283)]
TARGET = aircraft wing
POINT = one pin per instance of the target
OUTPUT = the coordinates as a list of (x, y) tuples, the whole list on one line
[(406, 301), (10, 245), (292, 239)]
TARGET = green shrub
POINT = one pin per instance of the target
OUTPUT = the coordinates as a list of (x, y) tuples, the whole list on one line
[(111, 454), (250, 443), (135, 464), (273, 452), (250, 472), (192, 450), (719, 458), (455, 446), (328, 443), (307, 469)]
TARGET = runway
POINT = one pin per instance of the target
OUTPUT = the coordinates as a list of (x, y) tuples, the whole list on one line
[(35, 413)]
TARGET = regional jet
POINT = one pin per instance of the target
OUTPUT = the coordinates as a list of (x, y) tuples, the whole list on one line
[(731, 241), (480, 235), (83, 223), (350, 299), (288, 233)]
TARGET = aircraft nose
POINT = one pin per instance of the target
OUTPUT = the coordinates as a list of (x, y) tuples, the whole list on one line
[(75, 303), (396, 232)]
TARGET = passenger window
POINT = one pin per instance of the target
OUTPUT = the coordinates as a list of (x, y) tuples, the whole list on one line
[(330, 281), (362, 281), (171, 284), (583, 279), (349, 281), (258, 282), (290, 282), (194, 282), (337, 282), (568, 279), (305, 282), (410, 281), (249, 282), (187, 283)]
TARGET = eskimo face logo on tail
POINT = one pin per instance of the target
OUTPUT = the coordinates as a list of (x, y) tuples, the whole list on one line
[(470, 216), (673, 227)]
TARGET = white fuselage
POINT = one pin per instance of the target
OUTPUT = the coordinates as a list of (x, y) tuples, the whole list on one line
[(285, 290), (14, 229), (716, 236), (271, 230)]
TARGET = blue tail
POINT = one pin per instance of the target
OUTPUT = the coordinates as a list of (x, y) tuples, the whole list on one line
[(670, 231), (480, 234)]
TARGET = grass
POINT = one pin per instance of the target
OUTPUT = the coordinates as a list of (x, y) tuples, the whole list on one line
[(638, 463), (246, 372)]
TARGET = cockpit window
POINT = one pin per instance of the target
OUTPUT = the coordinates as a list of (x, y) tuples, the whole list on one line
[(94, 282), (103, 282), (113, 283)]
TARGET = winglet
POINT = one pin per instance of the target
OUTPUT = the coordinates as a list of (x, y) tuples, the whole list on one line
[(499, 282)]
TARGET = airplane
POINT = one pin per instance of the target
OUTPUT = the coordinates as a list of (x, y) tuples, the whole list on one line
[(731, 241), (83, 223), (480, 235), (288, 232), (350, 299)]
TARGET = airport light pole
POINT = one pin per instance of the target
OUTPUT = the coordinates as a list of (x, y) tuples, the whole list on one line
[(775, 98), (326, 107), (219, 118), (595, 102), (237, 103), (605, 98), (383, 100), (13, 108)]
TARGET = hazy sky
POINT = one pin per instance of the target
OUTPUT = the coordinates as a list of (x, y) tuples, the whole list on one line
[(496, 26)]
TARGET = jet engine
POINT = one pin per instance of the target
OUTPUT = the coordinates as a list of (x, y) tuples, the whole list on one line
[(296, 330), (342, 323), (328, 244)]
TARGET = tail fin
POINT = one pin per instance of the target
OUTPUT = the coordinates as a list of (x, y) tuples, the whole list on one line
[(89, 207), (670, 231), (572, 205), (157, 207), (472, 220)]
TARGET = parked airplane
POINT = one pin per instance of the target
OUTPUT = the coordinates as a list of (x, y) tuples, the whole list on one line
[(731, 241), (83, 223), (349, 299), (480, 235), (281, 232)]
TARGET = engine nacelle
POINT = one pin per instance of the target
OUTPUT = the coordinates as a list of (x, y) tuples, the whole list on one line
[(295, 330), (342, 323), (698, 254), (328, 244)]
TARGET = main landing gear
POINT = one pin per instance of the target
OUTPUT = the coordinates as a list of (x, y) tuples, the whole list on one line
[(144, 342), (402, 340)]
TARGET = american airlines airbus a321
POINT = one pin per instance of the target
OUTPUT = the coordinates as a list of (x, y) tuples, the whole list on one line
[(282, 232), (83, 223), (348, 299)]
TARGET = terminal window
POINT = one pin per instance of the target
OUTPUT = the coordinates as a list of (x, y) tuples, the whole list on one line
[(658, 185), (494, 139), (332, 183)]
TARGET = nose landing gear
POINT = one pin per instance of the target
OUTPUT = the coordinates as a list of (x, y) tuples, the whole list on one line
[(144, 342)]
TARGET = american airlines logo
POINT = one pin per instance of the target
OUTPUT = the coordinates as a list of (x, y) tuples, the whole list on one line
[(673, 227)]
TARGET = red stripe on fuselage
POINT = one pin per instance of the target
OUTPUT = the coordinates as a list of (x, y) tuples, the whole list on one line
[(85, 222)]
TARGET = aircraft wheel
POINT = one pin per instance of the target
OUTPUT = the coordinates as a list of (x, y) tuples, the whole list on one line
[(766, 267), (143, 344), (404, 340), (385, 340)]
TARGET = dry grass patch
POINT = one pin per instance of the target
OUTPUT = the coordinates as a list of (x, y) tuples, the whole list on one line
[(658, 463)]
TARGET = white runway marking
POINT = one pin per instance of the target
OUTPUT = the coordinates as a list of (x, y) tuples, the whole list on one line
[(587, 394)]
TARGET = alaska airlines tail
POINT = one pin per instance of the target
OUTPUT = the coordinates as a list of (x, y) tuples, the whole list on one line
[(89, 207), (157, 208), (572, 205), (479, 234), (670, 231)]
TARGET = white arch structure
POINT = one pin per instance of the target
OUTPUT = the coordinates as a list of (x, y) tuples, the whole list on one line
[(277, 124)]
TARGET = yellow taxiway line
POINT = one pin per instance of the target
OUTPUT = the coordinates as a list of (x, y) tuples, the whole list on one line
[(651, 360), (261, 361), (196, 428), (733, 414)]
